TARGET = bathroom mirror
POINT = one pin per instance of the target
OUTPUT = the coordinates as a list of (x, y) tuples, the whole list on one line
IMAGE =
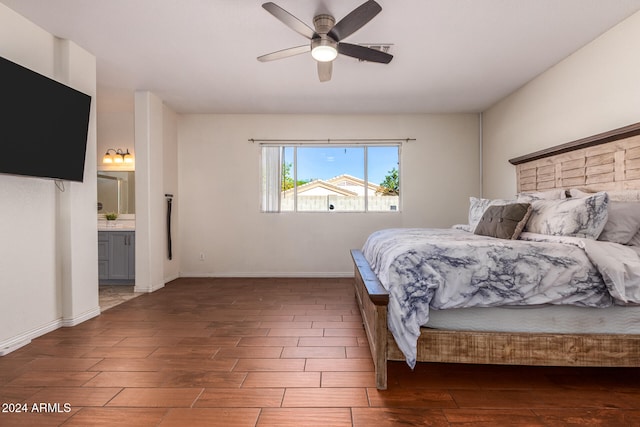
[(116, 192)]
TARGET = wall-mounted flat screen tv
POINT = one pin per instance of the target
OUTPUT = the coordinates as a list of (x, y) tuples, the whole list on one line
[(43, 125)]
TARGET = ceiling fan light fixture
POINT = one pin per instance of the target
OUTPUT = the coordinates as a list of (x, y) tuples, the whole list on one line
[(324, 49)]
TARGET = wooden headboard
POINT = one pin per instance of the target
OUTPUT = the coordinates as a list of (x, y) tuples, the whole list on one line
[(607, 161)]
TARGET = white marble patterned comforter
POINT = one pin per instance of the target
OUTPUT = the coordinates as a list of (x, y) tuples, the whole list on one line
[(425, 269)]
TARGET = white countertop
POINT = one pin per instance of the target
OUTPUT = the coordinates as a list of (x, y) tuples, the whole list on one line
[(116, 225)]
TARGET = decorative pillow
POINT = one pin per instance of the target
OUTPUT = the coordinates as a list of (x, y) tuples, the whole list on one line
[(542, 195), (477, 207), (584, 217), (505, 221), (623, 222)]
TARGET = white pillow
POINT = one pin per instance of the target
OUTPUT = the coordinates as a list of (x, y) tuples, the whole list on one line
[(584, 217)]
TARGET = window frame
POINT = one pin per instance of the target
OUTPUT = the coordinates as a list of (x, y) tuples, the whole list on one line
[(283, 145)]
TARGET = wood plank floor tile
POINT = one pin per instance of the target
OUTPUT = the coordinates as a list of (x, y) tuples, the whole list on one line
[(282, 379), (348, 379), (411, 398), (546, 398), (293, 332), (149, 342), (344, 332), (495, 399), (127, 365), (36, 419), (193, 378), (108, 417), (77, 396), (280, 365), (62, 364), (238, 332), (128, 332), (325, 397), (240, 398), (217, 341), (327, 342), (128, 379), (358, 352), (589, 417), (269, 318), (268, 342), (207, 417), (52, 379), (195, 352), (305, 417), (339, 365), (120, 352), (156, 397), (248, 353), (228, 324), (314, 352), (17, 394), (391, 417), (296, 325), (493, 417), (339, 325), (335, 318)]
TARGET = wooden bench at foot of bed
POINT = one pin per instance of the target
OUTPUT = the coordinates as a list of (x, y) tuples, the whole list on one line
[(482, 347)]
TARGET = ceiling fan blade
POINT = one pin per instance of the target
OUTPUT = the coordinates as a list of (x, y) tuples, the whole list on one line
[(285, 53), (324, 71), (364, 53), (355, 20), (289, 20)]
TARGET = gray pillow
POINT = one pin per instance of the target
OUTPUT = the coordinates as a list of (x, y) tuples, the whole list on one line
[(623, 222), (584, 217), (504, 221), (477, 206)]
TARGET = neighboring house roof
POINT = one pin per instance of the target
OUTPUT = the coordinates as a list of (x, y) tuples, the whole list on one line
[(321, 188), (341, 185), (353, 184)]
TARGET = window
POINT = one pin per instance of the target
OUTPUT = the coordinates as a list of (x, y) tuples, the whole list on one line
[(330, 178)]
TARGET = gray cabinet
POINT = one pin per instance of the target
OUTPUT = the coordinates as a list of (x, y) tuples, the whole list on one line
[(116, 256)]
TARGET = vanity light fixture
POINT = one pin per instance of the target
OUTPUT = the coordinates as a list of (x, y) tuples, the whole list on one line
[(118, 156)]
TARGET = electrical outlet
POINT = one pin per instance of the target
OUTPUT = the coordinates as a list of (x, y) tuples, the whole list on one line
[(201, 256)]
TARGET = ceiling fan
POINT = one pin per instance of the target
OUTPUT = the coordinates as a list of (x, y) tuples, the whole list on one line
[(326, 39)]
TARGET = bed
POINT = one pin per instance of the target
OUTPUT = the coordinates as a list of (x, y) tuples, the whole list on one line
[(599, 327)]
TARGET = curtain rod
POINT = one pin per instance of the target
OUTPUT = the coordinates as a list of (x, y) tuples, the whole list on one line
[(329, 140)]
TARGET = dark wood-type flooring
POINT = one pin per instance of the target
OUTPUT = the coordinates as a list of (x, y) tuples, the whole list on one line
[(278, 352)]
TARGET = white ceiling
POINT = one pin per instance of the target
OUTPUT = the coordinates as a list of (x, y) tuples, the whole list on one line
[(200, 55)]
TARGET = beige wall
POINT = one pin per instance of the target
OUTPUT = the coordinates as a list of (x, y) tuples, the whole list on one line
[(594, 90), (48, 248), (216, 162)]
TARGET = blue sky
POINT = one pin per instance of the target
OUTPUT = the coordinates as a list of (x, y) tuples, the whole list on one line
[(327, 162)]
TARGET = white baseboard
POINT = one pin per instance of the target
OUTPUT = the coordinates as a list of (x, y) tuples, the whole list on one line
[(148, 289), (90, 314), (14, 343), (305, 275)]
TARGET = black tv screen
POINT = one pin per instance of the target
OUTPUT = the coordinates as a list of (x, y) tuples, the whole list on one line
[(43, 125)]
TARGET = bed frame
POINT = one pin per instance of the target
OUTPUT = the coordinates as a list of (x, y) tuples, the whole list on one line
[(608, 161)]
